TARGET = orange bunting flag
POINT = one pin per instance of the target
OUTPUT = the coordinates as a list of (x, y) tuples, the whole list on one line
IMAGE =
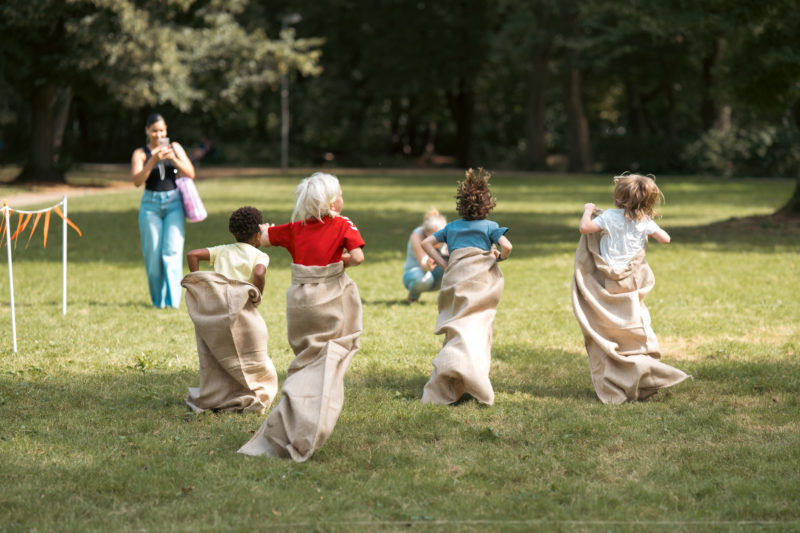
[(19, 225), (35, 223), (21, 228), (25, 218), (68, 221), (46, 226)]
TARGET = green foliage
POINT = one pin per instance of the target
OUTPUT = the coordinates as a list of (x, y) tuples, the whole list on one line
[(400, 83), (768, 150), (147, 53), (763, 68), (95, 435)]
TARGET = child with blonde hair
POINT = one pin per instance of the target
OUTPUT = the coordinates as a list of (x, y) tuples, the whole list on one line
[(626, 229), (471, 289), (323, 315), (236, 374), (420, 272), (611, 279)]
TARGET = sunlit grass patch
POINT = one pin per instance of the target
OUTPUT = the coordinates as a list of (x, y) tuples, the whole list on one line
[(95, 435)]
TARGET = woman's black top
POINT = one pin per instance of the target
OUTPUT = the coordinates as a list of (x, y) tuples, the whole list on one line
[(163, 175)]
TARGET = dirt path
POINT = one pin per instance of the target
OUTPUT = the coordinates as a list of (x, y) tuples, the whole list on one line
[(110, 178), (53, 194)]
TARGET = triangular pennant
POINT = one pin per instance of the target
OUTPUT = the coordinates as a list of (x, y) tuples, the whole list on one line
[(3, 226), (35, 223), (68, 221), (46, 227), (21, 228)]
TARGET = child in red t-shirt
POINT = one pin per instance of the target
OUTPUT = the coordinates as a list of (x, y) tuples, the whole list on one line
[(323, 315), (321, 236)]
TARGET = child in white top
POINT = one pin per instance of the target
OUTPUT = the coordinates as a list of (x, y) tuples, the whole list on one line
[(241, 261), (626, 229)]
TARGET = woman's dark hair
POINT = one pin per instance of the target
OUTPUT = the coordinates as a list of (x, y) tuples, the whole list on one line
[(474, 199), (244, 222), (153, 118)]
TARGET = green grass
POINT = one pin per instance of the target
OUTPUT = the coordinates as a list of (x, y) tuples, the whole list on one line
[(94, 435)]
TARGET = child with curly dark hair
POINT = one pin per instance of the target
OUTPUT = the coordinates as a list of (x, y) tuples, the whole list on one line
[(243, 260), (471, 289), (236, 374)]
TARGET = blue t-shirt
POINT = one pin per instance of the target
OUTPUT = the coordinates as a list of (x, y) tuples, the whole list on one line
[(465, 233)]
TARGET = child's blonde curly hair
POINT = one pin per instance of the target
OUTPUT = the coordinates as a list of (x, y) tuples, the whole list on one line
[(638, 195)]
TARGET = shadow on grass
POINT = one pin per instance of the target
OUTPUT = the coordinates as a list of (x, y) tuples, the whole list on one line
[(552, 374), (761, 233), (563, 375)]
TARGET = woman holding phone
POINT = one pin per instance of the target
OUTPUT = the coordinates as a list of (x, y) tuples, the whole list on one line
[(161, 218)]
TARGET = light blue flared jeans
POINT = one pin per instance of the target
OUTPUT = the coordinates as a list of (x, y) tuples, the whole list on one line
[(162, 228), (418, 281)]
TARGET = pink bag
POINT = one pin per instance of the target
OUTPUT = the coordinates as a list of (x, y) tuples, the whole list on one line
[(192, 204)]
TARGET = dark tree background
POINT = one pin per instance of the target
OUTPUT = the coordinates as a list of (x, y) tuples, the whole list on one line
[(710, 86)]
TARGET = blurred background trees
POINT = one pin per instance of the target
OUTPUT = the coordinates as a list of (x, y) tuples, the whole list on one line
[(580, 85)]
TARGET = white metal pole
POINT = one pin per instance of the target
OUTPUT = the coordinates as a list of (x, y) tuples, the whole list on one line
[(64, 256), (10, 274)]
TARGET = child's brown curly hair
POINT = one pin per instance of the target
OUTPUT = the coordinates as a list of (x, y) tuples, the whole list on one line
[(474, 199), (244, 222)]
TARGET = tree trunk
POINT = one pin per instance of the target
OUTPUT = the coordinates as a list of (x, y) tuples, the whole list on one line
[(708, 107), (536, 153), (792, 207), (41, 160), (462, 106), (578, 154), (61, 106)]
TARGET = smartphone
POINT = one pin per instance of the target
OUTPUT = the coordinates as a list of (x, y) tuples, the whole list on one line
[(163, 141)]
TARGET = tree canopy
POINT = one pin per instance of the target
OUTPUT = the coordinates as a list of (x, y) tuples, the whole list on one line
[(585, 85)]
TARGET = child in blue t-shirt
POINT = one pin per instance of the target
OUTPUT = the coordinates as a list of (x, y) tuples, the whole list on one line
[(471, 289), (474, 202)]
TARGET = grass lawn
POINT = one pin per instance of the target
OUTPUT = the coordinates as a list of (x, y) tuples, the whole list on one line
[(94, 434)]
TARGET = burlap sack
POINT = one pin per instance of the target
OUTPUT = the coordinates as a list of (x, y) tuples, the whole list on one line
[(323, 314), (622, 347), (471, 289), (236, 374)]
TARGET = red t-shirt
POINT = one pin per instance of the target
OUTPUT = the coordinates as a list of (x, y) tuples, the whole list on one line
[(315, 243)]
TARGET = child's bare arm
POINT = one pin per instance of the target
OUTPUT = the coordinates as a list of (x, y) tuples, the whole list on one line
[(259, 275), (661, 236), (505, 248), (429, 245), (264, 239), (194, 257), (353, 257), (587, 224), (419, 253)]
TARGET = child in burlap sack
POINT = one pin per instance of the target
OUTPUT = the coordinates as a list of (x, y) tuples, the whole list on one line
[(612, 278), (471, 289), (242, 260), (236, 374), (323, 315)]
